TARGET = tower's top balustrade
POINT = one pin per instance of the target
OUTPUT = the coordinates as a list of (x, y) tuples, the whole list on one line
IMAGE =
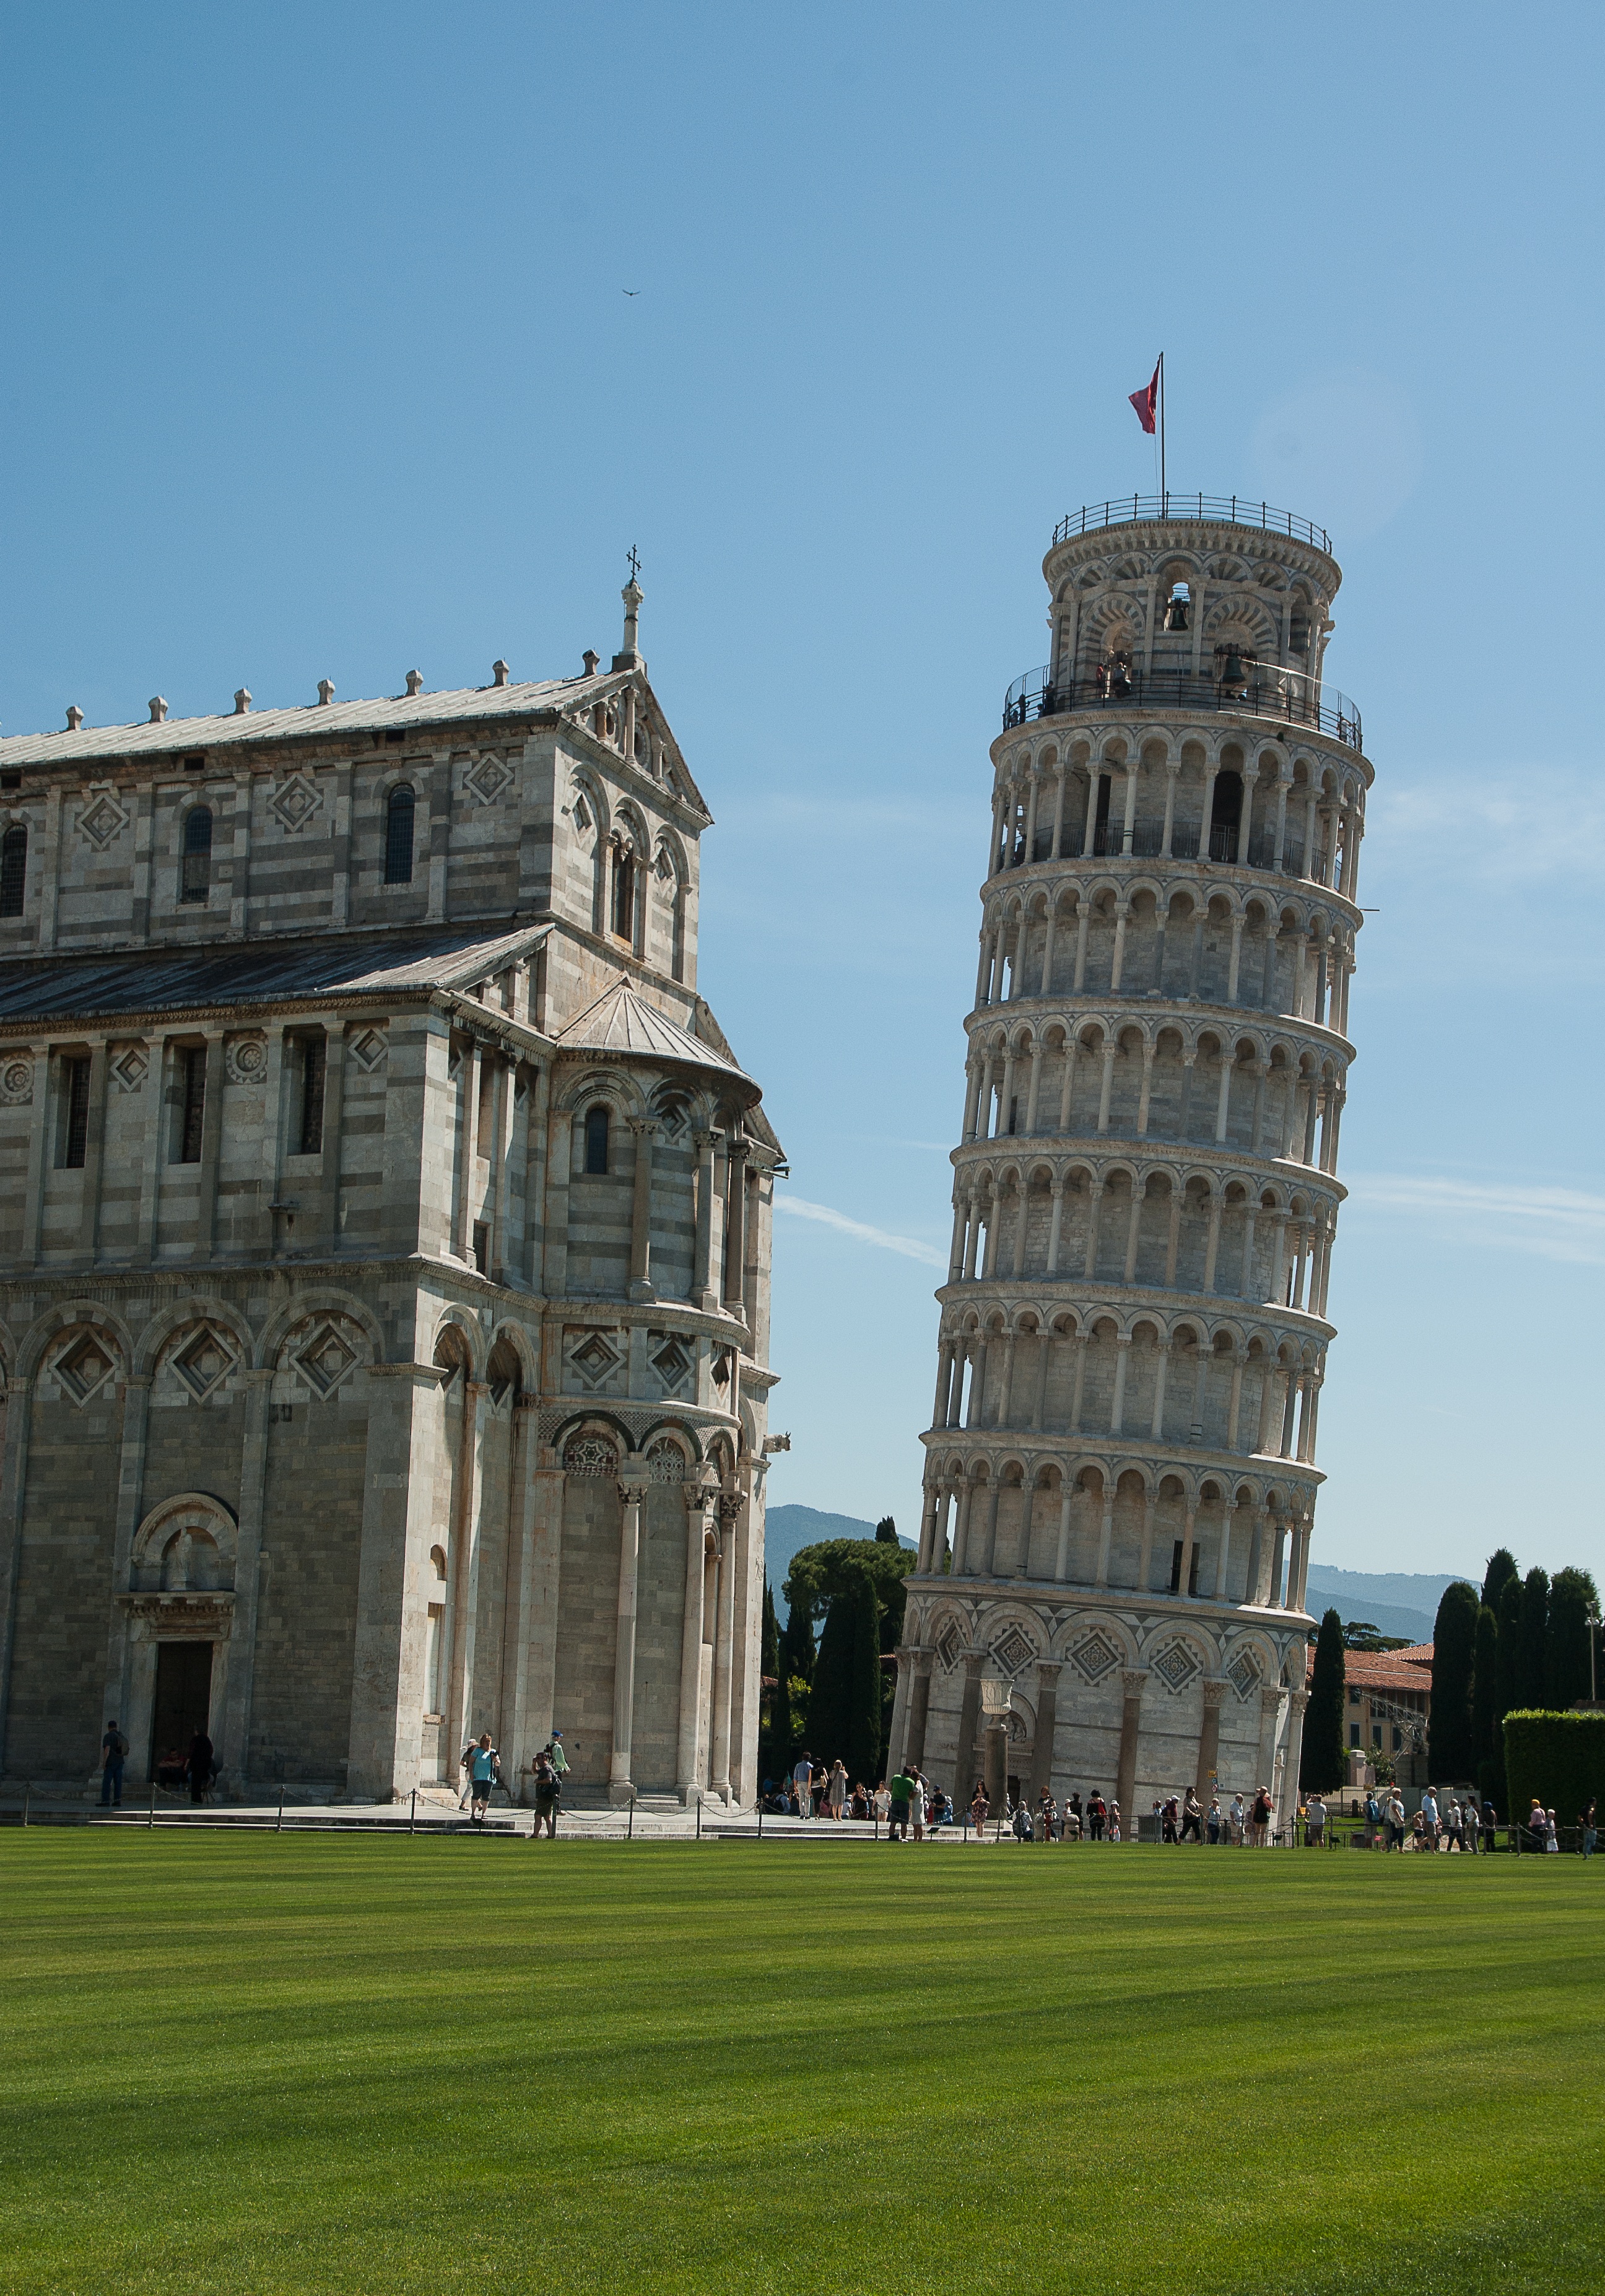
[(1212, 510)]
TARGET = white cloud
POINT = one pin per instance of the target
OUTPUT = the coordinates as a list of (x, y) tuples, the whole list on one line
[(1562, 1224), (861, 1231)]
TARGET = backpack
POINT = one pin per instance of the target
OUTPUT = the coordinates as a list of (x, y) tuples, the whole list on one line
[(119, 1746)]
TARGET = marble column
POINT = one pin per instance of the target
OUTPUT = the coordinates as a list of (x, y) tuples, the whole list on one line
[(1131, 1679), (699, 1502), (970, 1713), (632, 1493), (1047, 1720), (919, 1706)]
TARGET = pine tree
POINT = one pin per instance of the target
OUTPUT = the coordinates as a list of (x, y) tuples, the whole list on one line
[(863, 1750), (1571, 1597), (830, 1700), (1453, 1663), (1509, 1686), (886, 1532), (1535, 1638), (1500, 1570), (1322, 1764), (1486, 1716)]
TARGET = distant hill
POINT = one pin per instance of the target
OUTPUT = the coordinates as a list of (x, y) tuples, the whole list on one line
[(788, 1527), (1395, 1602)]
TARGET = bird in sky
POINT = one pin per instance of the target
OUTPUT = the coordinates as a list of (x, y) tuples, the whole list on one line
[(630, 290)]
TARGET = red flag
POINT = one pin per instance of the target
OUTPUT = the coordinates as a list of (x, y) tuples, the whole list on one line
[(1146, 401)]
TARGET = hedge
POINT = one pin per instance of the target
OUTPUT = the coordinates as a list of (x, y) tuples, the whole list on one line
[(1558, 1757)]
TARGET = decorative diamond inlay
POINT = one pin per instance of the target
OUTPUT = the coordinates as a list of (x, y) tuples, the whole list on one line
[(84, 1368), (487, 777), (295, 804), (101, 820), (595, 1358), (947, 1646), (672, 1365), (1014, 1652), (204, 1364), (131, 1068), (326, 1360), (1175, 1666), (1094, 1657), (369, 1049), (590, 1457), (1243, 1675)]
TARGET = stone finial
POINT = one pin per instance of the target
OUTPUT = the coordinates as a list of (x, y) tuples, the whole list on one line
[(75, 718), (414, 681), (498, 670), (158, 708), (242, 702), (628, 657), (591, 662), (325, 691)]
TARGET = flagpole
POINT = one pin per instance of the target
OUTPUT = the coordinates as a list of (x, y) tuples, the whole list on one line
[(1164, 499)]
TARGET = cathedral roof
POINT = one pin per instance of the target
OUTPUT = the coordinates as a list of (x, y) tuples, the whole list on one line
[(315, 721), (621, 1022), (256, 973)]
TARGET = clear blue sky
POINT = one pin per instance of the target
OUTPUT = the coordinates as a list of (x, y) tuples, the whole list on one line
[(318, 363)]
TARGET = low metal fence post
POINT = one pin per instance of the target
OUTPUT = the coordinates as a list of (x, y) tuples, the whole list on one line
[(629, 1829), (279, 1827), (413, 1814), (27, 1795), (699, 1818), (150, 1820), (760, 1817)]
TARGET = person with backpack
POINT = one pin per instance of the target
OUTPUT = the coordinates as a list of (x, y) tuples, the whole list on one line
[(484, 1776), (114, 1753)]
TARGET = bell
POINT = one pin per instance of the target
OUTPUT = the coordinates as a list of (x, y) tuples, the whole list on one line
[(1176, 614), (1233, 674)]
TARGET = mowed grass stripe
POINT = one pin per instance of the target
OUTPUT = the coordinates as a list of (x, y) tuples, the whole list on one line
[(268, 2062)]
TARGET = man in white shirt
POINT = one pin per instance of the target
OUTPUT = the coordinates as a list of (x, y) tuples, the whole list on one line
[(1314, 1819), (1430, 1814)]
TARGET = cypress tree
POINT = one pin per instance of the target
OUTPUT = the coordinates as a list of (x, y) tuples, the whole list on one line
[(796, 1644), (775, 1749), (830, 1700), (1532, 1665), (886, 1532), (1322, 1764), (862, 1752), (1485, 1716), (1502, 1568), (1508, 1689), (1571, 1597), (1453, 1663)]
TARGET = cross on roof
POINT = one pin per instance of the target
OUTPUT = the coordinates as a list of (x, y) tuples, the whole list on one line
[(634, 562)]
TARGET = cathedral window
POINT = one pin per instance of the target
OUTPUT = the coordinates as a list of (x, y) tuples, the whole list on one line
[(624, 895), (596, 1141), (75, 1111), (197, 874), (13, 872), (192, 1103), (400, 807), (314, 1076)]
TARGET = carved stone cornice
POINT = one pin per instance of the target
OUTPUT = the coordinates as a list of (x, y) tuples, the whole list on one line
[(209, 1617)]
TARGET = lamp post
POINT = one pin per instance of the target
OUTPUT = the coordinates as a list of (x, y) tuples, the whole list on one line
[(1594, 1627)]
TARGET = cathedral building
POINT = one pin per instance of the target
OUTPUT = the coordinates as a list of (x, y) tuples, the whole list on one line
[(384, 1248), (1121, 1474)]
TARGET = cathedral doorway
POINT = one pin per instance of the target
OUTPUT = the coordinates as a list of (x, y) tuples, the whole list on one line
[(183, 1702)]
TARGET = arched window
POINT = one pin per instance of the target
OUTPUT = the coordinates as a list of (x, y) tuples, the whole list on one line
[(399, 809), (13, 872), (623, 893), (197, 854), (596, 1140)]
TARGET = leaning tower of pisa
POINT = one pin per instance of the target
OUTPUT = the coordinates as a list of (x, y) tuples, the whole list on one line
[(1120, 1479)]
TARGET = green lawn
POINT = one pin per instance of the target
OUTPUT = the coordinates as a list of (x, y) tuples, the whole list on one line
[(260, 2063)]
